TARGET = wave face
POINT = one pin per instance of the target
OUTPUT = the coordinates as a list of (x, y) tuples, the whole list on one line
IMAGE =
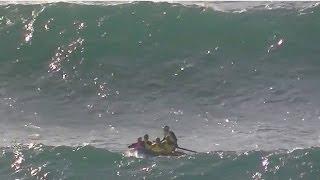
[(229, 77), (86, 162)]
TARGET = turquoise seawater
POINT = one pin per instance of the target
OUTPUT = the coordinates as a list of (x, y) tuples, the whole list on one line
[(237, 82), (87, 162)]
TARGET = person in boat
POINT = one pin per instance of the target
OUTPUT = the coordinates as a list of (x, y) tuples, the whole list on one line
[(157, 147), (138, 145), (169, 141), (147, 143)]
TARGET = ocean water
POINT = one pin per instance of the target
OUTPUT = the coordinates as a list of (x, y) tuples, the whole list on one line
[(236, 81)]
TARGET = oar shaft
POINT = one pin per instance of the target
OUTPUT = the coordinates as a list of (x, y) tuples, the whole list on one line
[(187, 149)]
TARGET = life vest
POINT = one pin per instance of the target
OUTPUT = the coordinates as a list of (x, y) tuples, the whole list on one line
[(157, 148), (168, 146), (147, 144)]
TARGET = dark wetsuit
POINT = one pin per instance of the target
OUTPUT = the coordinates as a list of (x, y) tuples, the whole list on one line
[(171, 141)]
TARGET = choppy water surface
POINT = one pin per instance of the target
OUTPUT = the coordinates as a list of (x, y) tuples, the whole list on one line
[(238, 80)]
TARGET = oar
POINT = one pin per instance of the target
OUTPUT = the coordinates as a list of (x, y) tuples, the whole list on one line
[(187, 149)]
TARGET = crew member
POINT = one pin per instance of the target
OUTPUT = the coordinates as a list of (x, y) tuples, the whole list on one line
[(147, 143), (169, 140), (138, 145)]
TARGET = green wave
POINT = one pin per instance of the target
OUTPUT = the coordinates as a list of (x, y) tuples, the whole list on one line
[(84, 162)]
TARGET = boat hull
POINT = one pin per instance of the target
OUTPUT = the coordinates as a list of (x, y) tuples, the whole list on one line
[(142, 153)]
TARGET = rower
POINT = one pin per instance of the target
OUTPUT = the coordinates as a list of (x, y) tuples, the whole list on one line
[(147, 143), (157, 147), (169, 140), (137, 145)]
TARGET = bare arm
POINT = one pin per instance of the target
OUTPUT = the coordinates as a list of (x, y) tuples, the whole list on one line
[(132, 145)]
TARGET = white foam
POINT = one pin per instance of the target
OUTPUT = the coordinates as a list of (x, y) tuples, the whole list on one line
[(223, 6)]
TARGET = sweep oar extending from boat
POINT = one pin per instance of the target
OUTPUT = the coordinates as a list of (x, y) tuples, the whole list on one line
[(187, 149)]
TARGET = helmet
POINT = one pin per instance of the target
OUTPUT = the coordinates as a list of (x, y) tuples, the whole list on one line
[(157, 140), (166, 128), (146, 136)]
